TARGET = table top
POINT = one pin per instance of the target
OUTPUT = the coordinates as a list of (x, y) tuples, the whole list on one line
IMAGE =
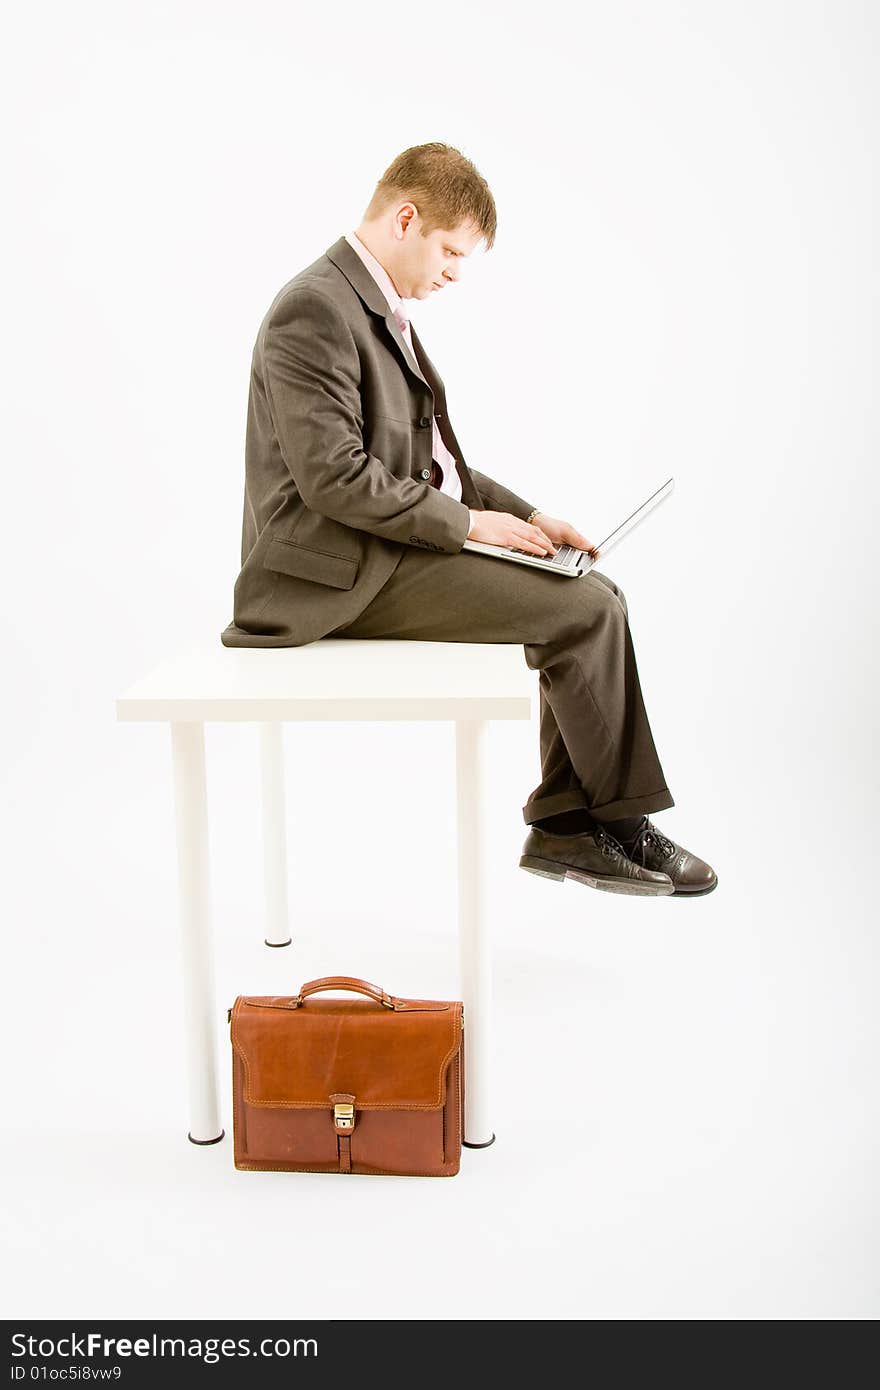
[(335, 678)]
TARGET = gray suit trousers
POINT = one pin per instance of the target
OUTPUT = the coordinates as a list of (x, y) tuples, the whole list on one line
[(597, 750)]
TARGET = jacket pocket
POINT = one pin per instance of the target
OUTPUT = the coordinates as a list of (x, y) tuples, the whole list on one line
[(305, 562)]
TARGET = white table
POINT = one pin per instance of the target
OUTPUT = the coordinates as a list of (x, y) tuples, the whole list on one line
[(333, 679)]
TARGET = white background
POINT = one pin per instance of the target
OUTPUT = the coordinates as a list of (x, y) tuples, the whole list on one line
[(684, 281)]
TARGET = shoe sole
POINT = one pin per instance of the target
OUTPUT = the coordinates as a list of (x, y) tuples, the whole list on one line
[(695, 892), (546, 868)]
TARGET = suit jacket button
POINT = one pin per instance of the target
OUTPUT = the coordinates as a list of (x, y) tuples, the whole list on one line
[(425, 473), (424, 422)]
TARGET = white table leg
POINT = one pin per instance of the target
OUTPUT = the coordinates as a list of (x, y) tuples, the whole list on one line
[(191, 805), (274, 835), (473, 926)]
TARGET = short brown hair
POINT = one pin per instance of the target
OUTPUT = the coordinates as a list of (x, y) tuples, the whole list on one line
[(445, 186)]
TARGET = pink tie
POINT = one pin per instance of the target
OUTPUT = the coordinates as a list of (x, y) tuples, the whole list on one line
[(402, 321)]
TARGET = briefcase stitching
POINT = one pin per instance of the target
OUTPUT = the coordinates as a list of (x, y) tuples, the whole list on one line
[(376, 1105), (356, 1173)]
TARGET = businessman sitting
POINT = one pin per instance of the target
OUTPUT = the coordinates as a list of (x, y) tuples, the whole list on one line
[(358, 500)]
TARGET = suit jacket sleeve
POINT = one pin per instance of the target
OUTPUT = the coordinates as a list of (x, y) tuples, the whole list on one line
[(312, 375), (497, 498)]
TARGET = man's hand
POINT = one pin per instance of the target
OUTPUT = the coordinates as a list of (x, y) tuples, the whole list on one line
[(503, 528), (539, 537), (563, 533)]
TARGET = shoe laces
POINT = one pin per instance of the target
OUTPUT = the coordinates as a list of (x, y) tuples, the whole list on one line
[(650, 835), (607, 843)]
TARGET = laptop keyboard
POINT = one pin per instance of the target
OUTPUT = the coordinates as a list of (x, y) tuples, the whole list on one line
[(564, 555)]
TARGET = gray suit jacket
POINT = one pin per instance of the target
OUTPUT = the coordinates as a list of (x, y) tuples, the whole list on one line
[(338, 444)]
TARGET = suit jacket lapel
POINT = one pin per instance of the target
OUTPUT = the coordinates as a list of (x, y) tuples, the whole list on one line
[(428, 370), (346, 259), (401, 342)]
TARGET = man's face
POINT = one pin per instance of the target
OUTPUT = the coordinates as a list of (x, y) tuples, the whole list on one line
[(424, 265)]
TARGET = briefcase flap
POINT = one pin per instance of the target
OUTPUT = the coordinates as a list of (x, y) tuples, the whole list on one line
[(389, 1059)]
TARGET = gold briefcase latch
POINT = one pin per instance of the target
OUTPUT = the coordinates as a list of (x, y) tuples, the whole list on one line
[(343, 1115)]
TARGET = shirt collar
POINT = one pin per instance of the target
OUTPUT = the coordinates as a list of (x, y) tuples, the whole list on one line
[(378, 272)]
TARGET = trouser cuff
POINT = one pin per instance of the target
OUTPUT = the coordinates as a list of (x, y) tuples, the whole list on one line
[(570, 800), (574, 799), (633, 806)]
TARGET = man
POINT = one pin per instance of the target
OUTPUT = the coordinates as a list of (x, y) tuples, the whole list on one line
[(358, 500)]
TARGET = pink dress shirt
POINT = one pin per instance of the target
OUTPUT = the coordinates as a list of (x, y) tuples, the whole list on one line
[(451, 482)]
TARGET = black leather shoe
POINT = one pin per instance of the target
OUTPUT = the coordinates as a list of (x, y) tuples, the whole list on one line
[(650, 850), (594, 858)]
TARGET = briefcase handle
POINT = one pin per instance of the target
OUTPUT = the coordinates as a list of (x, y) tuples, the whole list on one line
[(343, 982)]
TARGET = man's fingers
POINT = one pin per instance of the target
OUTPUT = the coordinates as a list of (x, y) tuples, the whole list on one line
[(541, 538)]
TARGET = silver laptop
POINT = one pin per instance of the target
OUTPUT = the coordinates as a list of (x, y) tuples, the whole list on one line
[(567, 560)]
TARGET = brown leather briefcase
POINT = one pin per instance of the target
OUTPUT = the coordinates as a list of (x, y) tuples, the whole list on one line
[(372, 1085)]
